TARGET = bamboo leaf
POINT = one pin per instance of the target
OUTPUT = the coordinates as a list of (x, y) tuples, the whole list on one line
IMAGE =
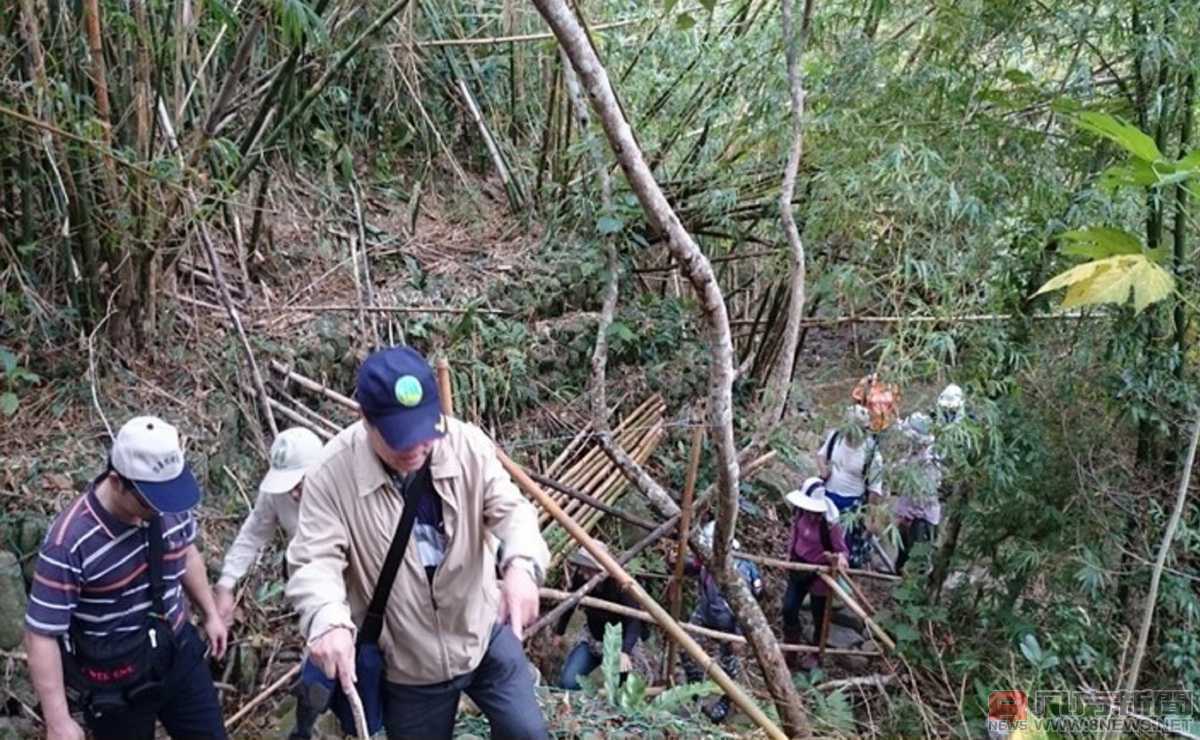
[(1130, 138)]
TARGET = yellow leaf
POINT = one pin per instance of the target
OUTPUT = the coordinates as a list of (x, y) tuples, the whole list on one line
[(1110, 280), (1151, 283)]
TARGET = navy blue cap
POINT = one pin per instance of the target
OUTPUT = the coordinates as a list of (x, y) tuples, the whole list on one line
[(399, 396)]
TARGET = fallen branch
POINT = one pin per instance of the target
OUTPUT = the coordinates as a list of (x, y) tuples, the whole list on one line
[(626, 611), (263, 696), (388, 309), (809, 568)]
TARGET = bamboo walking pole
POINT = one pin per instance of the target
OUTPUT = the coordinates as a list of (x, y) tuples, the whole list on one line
[(660, 615), (849, 601), (685, 525)]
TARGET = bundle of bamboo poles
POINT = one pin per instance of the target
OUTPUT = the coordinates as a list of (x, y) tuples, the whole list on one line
[(583, 466)]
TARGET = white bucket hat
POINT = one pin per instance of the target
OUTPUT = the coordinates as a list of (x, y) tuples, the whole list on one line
[(293, 452), (811, 497), (951, 398)]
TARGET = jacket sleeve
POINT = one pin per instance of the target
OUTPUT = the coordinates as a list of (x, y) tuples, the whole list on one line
[(507, 514), (317, 558), (255, 532)]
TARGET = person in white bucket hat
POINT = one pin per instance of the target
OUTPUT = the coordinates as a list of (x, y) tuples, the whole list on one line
[(293, 453), (817, 539)]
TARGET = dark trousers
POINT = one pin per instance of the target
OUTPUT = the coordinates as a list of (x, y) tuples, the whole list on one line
[(911, 534), (502, 686), (580, 662), (190, 710), (729, 660), (799, 584)]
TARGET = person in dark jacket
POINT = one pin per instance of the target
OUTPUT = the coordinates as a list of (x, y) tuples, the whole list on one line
[(817, 539), (713, 611), (588, 652)]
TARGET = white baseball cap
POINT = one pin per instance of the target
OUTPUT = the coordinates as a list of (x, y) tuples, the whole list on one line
[(293, 453), (147, 453), (708, 533)]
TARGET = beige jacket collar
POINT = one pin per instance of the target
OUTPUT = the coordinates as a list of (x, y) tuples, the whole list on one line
[(370, 474)]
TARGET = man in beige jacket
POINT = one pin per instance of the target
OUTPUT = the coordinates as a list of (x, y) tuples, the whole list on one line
[(451, 624)]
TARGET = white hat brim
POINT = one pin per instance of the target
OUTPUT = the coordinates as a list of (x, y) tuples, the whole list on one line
[(281, 481), (800, 501)]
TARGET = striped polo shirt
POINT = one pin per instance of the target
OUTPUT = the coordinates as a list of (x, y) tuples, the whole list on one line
[(93, 568)]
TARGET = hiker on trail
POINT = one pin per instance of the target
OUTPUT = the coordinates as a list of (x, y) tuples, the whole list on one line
[(950, 405), (918, 509), (851, 465), (713, 611), (106, 612), (442, 621), (588, 653), (293, 453), (817, 539)]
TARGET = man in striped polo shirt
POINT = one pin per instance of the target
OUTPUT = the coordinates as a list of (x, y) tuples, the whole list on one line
[(92, 582)]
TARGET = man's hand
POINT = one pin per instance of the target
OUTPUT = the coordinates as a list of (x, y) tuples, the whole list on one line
[(333, 652), (64, 728), (224, 598), (218, 634), (518, 599), (626, 664)]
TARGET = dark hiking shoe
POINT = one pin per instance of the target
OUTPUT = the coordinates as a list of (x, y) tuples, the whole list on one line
[(718, 710)]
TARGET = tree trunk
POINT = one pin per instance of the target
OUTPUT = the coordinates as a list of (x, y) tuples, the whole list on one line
[(699, 271), (780, 380)]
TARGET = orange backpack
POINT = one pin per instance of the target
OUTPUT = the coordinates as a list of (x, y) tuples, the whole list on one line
[(880, 399)]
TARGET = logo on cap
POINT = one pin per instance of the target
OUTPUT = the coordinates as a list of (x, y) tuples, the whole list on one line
[(280, 454), (408, 391)]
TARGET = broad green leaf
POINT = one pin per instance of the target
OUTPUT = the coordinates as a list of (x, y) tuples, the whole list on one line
[(610, 664), (631, 697), (1018, 76), (1031, 650), (1130, 138), (9, 403), (1190, 162), (673, 698), (685, 21), (708, 4), (7, 359), (1097, 242)]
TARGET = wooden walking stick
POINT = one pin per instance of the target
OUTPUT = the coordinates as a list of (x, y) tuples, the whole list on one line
[(685, 525), (444, 389), (630, 586)]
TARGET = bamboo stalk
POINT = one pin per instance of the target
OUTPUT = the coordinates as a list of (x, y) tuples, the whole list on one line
[(592, 501), (630, 586), (685, 524), (625, 611), (296, 417), (263, 696), (445, 391), (313, 386), (809, 568), (849, 601)]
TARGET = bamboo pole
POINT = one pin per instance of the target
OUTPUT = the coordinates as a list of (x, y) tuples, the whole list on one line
[(675, 597), (858, 610), (313, 386), (809, 568), (625, 611), (593, 502), (445, 390), (630, 586), (263, 695)]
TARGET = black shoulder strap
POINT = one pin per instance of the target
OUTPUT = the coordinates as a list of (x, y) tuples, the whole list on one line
[(831, 445), (372, 625), (154, 534)]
